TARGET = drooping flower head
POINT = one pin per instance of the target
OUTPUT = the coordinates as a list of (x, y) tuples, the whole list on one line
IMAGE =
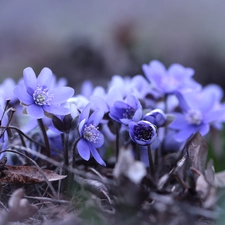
[(126, 111), (90, 137), (143, 132), (176, 78), (38, 95)]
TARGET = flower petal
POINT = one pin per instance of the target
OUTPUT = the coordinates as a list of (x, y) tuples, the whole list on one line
[(98, 103), (45, 77), (61, 94), (83, 149), (184, 134), (100, 141), (95, 118), (96, 155), (35, 111), (179, 122), (56, 110), (23, 95), (85, 112), (30, 80), (203, 129)]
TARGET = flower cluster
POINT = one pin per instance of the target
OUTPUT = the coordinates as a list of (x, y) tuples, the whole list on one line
[(160, 107)]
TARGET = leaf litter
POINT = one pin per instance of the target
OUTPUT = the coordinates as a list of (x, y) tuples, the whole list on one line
[(184, 190)]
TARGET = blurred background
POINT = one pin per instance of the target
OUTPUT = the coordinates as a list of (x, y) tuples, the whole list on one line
[(97, 39)]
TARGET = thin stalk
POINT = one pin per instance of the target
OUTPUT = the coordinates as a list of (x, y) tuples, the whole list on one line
[(47, 145), (117, 142), (138, 152), (65, 140), (151, 163), (74, 153)]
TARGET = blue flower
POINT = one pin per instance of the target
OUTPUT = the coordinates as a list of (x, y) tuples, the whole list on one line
[(38, 95), (3, 132), (156, 116), (90, 137), (198, 113), (126, 111), (176, 78), (142, 132)]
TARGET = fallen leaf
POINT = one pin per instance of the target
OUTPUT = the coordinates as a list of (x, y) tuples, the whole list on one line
[(19, 208), (219, 179), (197, 150), (128, 166), (27, 174), (206, 191)]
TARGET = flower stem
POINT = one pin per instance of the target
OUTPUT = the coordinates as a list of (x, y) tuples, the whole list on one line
[(47, 145), (151, 163), (117, 142), (65, 140), (74, 153)]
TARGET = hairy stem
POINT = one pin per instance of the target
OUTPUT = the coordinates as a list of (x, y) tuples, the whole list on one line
[(47, 145)]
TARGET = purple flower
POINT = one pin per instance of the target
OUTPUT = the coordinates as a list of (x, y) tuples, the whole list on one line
[(6, 91), (176, 78), (90, 137), (3, 133), (38, 95), (198, 113), (156, 116), (126, 111), (142, 132)]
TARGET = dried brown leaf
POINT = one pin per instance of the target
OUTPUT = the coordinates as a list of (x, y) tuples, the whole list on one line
[(197, 150), (27, 174), (206, 191), (219, 179)]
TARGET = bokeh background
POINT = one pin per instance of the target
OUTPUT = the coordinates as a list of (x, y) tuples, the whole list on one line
[(97, 39)]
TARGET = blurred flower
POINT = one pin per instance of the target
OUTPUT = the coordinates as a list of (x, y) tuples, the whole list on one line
[(125, 111), (142, 132), (198, 113), (90, 137), (156, 116), (176, 78), (3, 132), (6, 91), (38, 95)]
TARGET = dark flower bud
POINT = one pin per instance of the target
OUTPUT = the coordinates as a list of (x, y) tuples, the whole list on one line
[(142, 132), (156, 116)]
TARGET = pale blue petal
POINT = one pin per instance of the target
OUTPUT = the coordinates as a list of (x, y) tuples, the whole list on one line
[(83, 149), (179, 122), (23, 96), (56, 110), (98, 103), (96, 155), (45, 78), (100, 141), (95, 118), (61, 94), (35, 111), (85, 112), (203, 129), (30, 80), (184, 134)]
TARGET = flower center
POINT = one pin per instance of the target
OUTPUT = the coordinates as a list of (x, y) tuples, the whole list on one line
[(194, 116), (91, 133), (128, 113), (42, 96), (144, 131)]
